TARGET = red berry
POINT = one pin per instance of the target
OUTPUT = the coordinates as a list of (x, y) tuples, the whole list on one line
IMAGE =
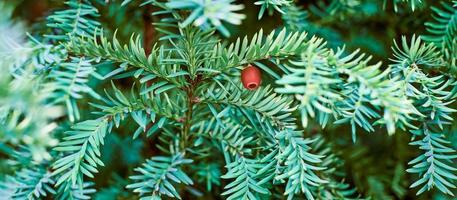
[(251, 77)]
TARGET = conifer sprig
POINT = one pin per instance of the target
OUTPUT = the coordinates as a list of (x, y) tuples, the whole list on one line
[(157, 62), (158, 175), (196, 117)]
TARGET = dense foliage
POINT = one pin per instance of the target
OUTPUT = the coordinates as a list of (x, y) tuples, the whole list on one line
[(143, 99)]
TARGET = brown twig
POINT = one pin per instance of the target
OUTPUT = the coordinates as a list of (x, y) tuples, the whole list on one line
[(148, 39), (148, 29)]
